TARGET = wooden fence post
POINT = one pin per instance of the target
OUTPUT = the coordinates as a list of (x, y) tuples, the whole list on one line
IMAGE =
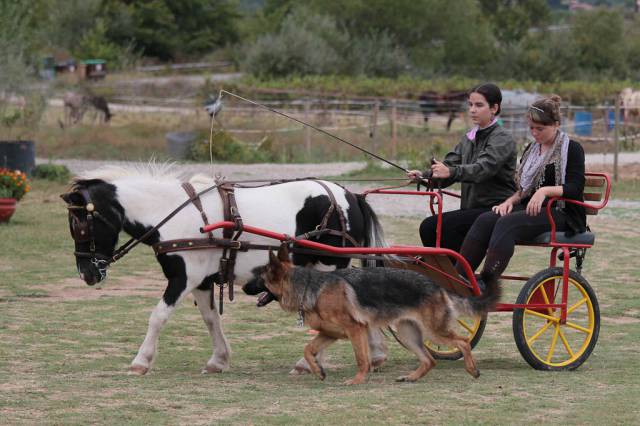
[(394, 129), (374, 125), (307, 129), (615, 139)]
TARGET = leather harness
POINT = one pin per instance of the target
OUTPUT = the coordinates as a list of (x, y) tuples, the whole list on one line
[(230, 243)]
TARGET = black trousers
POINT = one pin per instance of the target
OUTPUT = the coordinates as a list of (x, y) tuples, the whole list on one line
[(455, 225), (495, 236)]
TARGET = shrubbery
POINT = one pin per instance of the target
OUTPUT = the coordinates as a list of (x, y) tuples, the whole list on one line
[(226, 148), (53, 172), (310, 43)]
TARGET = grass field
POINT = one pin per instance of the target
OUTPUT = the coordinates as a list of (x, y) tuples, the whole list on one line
[(65, 348)]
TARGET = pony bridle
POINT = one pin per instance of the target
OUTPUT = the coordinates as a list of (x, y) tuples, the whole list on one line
[(82, 231)]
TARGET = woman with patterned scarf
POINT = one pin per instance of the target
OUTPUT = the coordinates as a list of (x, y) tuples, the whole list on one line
[(552, 166)]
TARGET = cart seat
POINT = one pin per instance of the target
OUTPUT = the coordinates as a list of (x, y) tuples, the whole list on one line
[(587, 238)]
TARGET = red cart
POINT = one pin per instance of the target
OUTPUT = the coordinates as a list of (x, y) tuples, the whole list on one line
[(556, 318)]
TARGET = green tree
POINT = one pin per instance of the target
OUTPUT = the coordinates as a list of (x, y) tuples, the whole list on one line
[(511, 19), (169, 29), (598, 38), (67, 21)]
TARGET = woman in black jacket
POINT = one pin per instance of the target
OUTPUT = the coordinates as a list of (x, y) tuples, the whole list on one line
[(484, 162), (552, 166)]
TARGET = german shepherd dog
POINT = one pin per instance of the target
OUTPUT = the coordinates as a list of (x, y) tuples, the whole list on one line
[(342, 304)]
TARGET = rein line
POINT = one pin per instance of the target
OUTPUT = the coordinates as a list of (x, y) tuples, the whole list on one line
[(129, 245), (126, 247)]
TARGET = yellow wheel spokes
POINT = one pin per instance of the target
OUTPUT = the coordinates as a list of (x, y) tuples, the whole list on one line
[(543, 291), (541, 315), (468, 328), (578, 327), (536, 324), (539, 333), (552, 348), (565, 343), (576, 305)]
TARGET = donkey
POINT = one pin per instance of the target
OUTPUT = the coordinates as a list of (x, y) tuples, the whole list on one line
[(76, 105), (74, 108), (101, 107), (451, 103), (134, 201)]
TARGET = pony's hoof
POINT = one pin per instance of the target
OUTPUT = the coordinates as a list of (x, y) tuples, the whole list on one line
[(138, 370), (211, 369), (476, 374), (298, 371), (376, 363)]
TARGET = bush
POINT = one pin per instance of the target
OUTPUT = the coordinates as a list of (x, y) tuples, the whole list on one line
[(377, 54), (226, 148), (52, 172), (306, 44)]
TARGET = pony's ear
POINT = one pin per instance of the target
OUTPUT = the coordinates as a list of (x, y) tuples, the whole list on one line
[(66, 197), (72, 198), (283, 253)]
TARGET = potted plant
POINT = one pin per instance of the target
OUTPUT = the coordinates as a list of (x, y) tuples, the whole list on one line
[(13, 186)]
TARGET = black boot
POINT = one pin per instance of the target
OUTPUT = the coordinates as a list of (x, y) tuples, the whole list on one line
[(494, 265), (473, 251)]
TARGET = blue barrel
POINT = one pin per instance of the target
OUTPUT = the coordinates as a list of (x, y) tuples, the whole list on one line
[(583, 123)]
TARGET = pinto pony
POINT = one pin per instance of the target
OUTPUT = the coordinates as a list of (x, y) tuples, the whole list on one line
[(107, 201)]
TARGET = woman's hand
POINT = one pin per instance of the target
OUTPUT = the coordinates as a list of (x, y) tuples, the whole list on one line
[(504, 208), (414, 175), (439, 170), (534, 206)]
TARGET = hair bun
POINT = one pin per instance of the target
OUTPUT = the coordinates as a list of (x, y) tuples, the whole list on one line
[(555, 99)]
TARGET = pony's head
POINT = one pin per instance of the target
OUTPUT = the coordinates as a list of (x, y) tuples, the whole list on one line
[(95, 220)]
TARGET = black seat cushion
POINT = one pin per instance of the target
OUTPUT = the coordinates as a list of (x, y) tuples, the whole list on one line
[(582, 238)]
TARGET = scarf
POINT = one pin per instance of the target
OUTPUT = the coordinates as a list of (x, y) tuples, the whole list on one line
[(471, 134), (530, 174)]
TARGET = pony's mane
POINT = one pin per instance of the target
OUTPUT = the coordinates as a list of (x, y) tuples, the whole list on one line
[(153, 170)]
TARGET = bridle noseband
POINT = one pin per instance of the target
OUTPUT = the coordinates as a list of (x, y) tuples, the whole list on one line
[(82, 231)]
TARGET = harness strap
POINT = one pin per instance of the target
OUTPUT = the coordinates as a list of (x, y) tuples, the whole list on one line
[(195, 199), (343, 223), (230, 212)]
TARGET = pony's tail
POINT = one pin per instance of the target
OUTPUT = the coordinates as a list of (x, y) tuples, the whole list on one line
[(374, 236)]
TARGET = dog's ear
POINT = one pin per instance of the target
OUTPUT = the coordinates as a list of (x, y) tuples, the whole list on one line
[(273, 260), (283, 253)]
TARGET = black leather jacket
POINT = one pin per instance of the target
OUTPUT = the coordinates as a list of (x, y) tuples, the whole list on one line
[(485, 166)]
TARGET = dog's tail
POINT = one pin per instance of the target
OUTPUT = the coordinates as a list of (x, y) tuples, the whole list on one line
[(480, 305)]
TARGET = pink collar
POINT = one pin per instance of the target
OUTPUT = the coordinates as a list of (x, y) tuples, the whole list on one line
[(471, 134)]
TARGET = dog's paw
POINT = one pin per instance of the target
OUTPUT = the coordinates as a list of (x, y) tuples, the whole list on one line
[(322, 374), (355, 381)]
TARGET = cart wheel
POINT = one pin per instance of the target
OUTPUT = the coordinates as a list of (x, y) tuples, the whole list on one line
[(470, 327), (543, 341)]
